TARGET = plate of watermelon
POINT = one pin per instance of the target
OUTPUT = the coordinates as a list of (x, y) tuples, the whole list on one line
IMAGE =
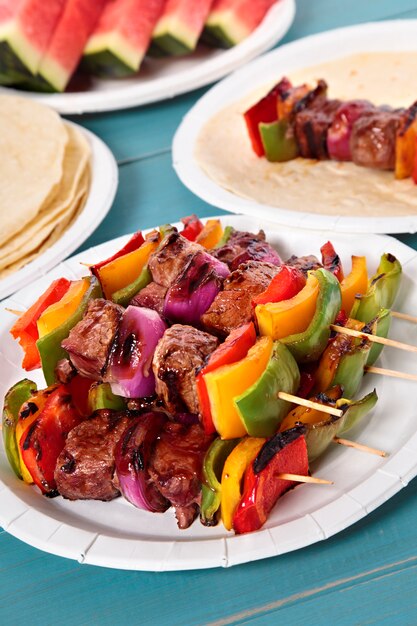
[(80, 56)]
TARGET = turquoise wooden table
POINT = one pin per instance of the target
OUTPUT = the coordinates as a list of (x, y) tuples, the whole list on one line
[(364, 575)]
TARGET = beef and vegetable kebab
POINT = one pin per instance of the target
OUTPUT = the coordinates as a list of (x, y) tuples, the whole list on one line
[(164, 368)]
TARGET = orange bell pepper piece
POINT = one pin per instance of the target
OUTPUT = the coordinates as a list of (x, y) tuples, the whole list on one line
[(57, 313), (306, 415), (125, 269), (210, 235), (288, 317), (354, 283), (229, 381), (233, 471), (405, 144)]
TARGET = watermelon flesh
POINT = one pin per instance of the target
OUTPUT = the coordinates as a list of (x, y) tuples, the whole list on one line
[(68, 42), (231, 21), (26, 27), (180, 26), (122, 36)]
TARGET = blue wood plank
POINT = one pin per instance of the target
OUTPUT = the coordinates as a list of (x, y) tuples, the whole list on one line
[(149, 194)]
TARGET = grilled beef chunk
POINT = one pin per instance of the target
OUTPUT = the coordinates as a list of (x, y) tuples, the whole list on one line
[(178, 355), (151, 297), (238, 242), (172, 256), (175, 468), (311, 126), (232, 307), (372, 142), (64, 371), (90, 341), (304, 263), (85, 467)]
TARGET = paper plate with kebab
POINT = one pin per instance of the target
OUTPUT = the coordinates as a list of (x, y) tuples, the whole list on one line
[(320, 133), (174, 400), (58, 181)]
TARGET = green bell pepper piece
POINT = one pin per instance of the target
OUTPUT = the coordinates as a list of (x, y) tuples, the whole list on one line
[(379, 326), (213, 463), (259, 407), (310, 344), (319, 436), (227, 233), (123, 296), (349, 372), (355, 410), (49, 345), (382, 290), (279, 141), (100, 396), (15, 397)]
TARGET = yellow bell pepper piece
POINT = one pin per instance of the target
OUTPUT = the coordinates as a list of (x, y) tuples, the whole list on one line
[(288, 317), (233, 471), (229, 381), (57, 313), (306, 415), (354, 283), (211, 234), (125, 269)]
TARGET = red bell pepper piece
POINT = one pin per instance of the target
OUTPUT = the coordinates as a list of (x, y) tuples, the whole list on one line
[(43, 441), (284, 453), (331, 261), (232, 350), (307, 381), (79, 387), (134, 243), (25, 328), (285, 285), (266, 110), (192, 227)]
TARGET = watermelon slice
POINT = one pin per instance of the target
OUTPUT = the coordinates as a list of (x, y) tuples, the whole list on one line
[(26, 27), (180, 26), (67, 44), (122, 36), (231, 21)]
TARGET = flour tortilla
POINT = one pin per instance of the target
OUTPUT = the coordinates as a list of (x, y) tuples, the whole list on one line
[(72, 185), (32, 146), (223, 149)]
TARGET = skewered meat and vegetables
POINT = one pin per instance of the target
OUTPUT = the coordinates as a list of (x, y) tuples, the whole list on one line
[(163, 390)]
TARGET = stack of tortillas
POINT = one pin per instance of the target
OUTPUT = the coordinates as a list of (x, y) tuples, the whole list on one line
[(44, 179)]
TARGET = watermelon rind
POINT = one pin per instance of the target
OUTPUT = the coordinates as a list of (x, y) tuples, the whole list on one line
[(173, 37), (224, 28), (18, 58), (109, 55)]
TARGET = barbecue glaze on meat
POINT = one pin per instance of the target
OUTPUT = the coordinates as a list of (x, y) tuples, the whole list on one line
[(85, 467), (311, 126), (175, 468), (304, 263), (178, 356), (90, 341), (174, 253), (151, 297), (232, 307)]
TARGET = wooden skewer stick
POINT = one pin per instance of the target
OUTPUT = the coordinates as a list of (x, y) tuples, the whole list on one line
[(305, 479), (14, 311), (324, 408), (359, 446), (374, 338), (404, 316), (393, 373)]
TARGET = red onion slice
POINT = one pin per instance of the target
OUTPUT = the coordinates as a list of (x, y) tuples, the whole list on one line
[(132, 455), (130, 369), (338, 135)]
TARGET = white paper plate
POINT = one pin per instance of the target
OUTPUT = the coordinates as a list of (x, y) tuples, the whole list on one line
[(117, 535), (160, 79), (380, 36), (103, 188)]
